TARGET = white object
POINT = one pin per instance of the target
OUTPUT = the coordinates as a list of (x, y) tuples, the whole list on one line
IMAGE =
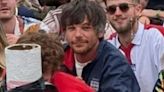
[(23, 64)]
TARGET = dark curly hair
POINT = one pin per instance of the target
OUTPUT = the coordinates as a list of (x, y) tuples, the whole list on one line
[(52, 51)]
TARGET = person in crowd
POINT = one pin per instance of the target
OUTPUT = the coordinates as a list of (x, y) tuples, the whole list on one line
[(55, 3), (15, 25), (88, 56), (53, 17), (31, 9), (156, 15), (108, 29), (25, 8), (142, 47), (159, 86), (52, 54), (153, 3), (142, 18), (3, 44), (152, 15)]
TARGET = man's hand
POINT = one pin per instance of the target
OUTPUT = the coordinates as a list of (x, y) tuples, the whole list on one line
[(11, 38), (144, 20)]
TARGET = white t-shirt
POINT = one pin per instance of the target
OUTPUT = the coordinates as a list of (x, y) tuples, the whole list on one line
[(79, 67)]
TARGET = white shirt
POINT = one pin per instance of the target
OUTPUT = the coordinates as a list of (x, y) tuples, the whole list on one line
[(79, 67), (145, 55)]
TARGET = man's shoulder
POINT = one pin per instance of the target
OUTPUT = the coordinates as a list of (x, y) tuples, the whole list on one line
[(109, 50), (108, 46), (155, 28), (56, 11), (153, 33)]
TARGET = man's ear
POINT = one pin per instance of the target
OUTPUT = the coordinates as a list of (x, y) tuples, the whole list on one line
[(101, 34), (138, 9)]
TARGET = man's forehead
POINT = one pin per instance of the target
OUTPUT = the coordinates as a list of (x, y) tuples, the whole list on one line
[(109, 2), (86, 21), (118, 0), (11, 0)]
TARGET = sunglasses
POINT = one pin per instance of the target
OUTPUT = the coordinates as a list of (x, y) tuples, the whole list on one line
[(124, 7)]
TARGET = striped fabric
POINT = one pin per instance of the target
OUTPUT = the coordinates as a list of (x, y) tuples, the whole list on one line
[(159, 87), (52, 20)]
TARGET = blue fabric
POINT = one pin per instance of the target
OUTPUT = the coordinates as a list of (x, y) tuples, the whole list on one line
[(110, 72), (152, 4), (24, 11)]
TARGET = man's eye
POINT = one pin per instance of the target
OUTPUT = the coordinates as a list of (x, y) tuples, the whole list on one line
[(86, 28), (70, 28)]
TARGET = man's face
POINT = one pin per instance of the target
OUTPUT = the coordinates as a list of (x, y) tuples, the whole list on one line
[(82, 37), (7, 9), (122, 14)]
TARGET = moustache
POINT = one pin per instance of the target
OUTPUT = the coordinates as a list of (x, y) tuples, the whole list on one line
[(79, 41)]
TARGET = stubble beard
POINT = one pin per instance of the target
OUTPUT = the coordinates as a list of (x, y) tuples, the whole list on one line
[(81, 51), (122, 30)]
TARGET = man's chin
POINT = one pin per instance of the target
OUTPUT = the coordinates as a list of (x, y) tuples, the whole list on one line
[(5, 18), (79, 51)]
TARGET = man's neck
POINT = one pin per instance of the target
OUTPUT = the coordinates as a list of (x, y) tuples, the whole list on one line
[(126, 38), (9, 25), (89, 56), (47, 75)]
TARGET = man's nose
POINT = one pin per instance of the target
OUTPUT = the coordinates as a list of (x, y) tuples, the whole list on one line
[(78, 32), (118, 11)]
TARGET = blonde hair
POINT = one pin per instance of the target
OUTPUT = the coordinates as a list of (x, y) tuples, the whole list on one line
[(3, 44)]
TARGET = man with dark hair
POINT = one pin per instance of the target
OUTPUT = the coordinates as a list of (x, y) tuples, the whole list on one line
[(52, 54), (88, 56)]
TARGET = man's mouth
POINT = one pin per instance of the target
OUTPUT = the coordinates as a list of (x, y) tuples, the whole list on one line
[(79, 44), (4, 9)]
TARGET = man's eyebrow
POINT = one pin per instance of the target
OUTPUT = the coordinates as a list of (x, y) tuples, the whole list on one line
[(86, 23)]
